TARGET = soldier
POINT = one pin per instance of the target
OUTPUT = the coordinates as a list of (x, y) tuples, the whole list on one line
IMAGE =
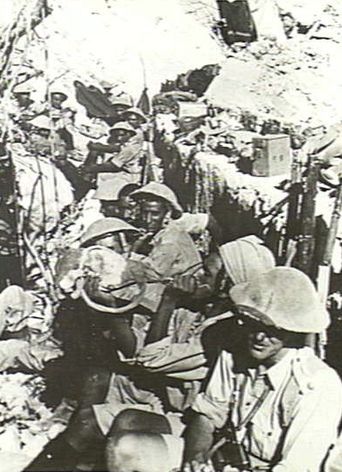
[(283, 403), (114, 196), (124, 159), (273, 396), (24, 108), (135, 117), (43, 140), (119, 106)]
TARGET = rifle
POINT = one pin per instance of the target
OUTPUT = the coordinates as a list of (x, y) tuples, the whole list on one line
[(293, 214), (323, 279), (306, 243), (148, 173)]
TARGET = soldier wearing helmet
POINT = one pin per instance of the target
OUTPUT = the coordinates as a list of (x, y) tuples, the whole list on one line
[(158, 205), (119, 106), (22, 93), (166, 248), (120, 157), (43, 140), (135, 117), (114, 195), (24, 108), (273, 392), (61, 115), (271, 405), (112, 233)]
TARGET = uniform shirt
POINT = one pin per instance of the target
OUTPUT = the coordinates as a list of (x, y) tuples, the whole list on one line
[(334, 462), (61, 118), (172, 253), (297, 421), (128, 159)]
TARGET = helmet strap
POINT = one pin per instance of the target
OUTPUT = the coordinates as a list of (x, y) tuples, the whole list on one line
[(123, 242), (167, 218)]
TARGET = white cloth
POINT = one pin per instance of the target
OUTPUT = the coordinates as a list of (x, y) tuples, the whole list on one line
[(302, 422), (192, 223)]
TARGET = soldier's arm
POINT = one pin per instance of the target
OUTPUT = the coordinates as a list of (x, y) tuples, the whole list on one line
[(199, 436), (210, 412), (105, 167)]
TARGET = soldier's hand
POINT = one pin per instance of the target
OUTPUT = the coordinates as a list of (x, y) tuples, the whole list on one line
[(186, 283), (96, 293), (91, 145)]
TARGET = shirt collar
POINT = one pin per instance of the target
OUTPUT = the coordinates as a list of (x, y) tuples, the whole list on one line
[(280, 370)]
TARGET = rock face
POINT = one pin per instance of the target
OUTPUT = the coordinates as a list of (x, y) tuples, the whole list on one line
[(114, 40), (286, 78), (294, 80)]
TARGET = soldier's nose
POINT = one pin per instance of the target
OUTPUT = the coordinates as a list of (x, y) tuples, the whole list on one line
[(259, 336)]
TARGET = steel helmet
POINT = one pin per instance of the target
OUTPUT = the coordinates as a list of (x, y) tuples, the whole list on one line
[(57, 91), (283, 297), (22, 88), (123, 100), (123, 125), (163, 192), (15, 307), (105, 226), (135, 111)]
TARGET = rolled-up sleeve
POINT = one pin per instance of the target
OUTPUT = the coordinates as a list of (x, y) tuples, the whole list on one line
[(175, 359), (314, 426), (128, 155), (214, 402)]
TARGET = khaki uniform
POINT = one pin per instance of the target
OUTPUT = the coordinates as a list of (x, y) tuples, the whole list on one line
[(127, 160), (173, 252), (296, 423)]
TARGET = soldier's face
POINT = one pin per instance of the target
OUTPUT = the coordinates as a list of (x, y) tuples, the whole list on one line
[(265, 343), (122, 208), (111, 241), (152, 215), (56, 100), (134, 120), (110, 208)]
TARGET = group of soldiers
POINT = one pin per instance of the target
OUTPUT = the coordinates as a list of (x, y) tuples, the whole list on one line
[(189, 361)]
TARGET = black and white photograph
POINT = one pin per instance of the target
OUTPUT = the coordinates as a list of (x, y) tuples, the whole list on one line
[(170, 235)]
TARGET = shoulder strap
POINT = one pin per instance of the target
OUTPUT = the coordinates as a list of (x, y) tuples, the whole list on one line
[(256, 407)]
